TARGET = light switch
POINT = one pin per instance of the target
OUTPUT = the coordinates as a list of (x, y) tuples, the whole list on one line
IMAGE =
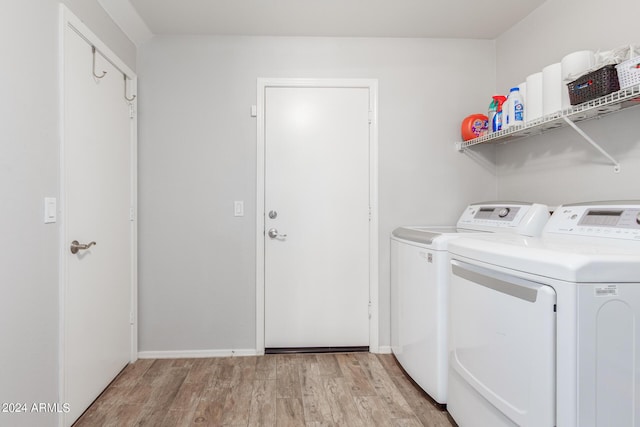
[(254, 111), (50, 214), (238, 208)]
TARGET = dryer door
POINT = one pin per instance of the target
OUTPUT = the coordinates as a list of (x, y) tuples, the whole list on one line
[(502, 349)]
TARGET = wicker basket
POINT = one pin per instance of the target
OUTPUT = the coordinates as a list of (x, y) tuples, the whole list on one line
[(629, 72), (594, 85)]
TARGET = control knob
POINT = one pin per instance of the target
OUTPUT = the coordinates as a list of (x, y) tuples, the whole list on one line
[(638, 218), (504, 212)]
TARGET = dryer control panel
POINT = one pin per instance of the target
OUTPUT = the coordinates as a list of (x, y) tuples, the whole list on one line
[(618, 220)]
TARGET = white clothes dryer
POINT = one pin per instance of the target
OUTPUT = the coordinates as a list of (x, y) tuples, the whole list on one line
[(546, 331), (419, 285)]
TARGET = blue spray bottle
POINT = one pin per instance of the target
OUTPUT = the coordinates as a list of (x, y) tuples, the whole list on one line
[(497, 116)]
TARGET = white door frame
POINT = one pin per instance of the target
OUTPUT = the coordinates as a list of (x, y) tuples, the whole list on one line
[(68, 19), (372, 85)]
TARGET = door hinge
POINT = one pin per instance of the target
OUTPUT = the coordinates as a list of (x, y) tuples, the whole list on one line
[(369, 213), (369, 309), (132, 111), (131, 318), (370, 116), (131, 214)]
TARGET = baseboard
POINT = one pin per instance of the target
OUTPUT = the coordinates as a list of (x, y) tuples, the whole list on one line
[(384, 349), (193, 354)]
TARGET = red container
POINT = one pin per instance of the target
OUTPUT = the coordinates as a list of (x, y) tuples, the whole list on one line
[(474, 125)]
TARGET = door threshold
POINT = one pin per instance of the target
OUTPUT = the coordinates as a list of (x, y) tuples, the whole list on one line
[(302, 350)]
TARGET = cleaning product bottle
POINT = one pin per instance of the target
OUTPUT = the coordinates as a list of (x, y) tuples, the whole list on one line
[(497, 119), (496, 104), (506, 109), (516, 107)]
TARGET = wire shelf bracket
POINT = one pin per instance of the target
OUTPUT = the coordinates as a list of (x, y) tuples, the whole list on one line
[(616, 164)]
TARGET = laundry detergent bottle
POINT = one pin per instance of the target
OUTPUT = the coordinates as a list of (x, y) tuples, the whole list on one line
[(496, 113), (516, 107)]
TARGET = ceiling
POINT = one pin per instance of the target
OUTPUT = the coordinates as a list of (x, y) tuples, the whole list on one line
[(476, 19)]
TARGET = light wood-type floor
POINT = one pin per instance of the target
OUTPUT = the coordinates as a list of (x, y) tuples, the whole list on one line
[(311, 390)]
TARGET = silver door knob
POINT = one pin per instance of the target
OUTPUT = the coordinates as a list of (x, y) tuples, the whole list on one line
[(76, 246), (273, 233)]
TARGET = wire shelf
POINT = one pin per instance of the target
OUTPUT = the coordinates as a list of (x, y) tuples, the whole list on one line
[(598, 107)]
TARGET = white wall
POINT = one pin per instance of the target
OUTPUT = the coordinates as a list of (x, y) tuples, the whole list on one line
[(29, 162), (197, 152), (560, 167)]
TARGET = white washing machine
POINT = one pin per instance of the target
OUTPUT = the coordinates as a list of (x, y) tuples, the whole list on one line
[(419, 281), (546, 331)]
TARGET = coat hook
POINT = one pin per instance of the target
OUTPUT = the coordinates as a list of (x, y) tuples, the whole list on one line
[(93, 50), (125, 90)]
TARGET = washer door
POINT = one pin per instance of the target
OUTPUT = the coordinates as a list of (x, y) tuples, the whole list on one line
[(502, 348)]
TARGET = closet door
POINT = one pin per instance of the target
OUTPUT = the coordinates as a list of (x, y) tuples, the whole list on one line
[(98, 238)]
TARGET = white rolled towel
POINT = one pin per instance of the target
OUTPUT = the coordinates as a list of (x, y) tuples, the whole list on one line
[(552, 88), (533, 100)]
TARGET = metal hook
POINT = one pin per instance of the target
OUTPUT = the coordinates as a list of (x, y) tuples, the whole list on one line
[(125, 90), (93, 50)]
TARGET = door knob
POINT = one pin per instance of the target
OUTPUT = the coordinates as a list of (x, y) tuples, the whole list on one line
[(273, 233), (76, 246)]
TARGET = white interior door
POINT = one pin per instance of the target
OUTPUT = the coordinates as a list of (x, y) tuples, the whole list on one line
[(317, 217), (97, 193)]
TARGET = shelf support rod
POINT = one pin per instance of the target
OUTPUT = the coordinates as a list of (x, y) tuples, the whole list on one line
[(616, 165)]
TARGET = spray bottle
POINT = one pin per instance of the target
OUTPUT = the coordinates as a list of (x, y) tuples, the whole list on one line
[(496, 113)]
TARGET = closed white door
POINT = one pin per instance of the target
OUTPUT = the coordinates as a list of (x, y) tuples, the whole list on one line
[(316, 217), (97, 187)]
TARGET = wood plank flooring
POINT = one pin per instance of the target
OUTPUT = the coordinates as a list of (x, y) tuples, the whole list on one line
[(310, 390)]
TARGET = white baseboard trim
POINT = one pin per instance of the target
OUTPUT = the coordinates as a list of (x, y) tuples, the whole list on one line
[(384, 349), (193, 354)]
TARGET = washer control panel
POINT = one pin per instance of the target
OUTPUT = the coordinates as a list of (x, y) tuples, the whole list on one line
[(496, 213), (618, 220), (521, 218)]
